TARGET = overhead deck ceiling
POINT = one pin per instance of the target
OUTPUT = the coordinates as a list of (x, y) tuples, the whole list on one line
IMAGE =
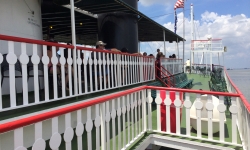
[(86, 27)]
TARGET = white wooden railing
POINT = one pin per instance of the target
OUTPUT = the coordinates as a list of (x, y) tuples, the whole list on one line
[(27, 81), (117, 120), (173, 65), (243, 114)]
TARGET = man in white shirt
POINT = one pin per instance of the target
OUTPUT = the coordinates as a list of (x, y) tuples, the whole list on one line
[(188, 66)]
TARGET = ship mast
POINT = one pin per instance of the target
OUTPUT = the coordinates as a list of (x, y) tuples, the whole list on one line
[(192, 36)]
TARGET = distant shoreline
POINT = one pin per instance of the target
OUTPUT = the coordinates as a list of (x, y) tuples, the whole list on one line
[(237, 68)]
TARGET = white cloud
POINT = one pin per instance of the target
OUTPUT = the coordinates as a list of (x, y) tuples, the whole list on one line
[(161, 2), (233, 30)]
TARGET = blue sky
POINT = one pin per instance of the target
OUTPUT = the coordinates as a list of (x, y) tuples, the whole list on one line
[(226, 19)]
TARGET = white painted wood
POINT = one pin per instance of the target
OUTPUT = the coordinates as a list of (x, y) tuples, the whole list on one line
[(97, 125), (148, 70), (68, 133), (233, 109), (79, 63), (39, 143), (210, 107), (56, 138), (79, 129), (139, 113), (95, 70), (131, 69), (70, 62), (144, 112), (85, 61), (187, 105), (119, 70), (108, 67), (198, 106), (24, 59), (104, 68), (113, 116), (54, 61), (12, 59), (18, 138), (128, 116), (178, 104), (90, 74), (112, 69), (1, 100), (149, 101), (107, 119), (119, 111), (158, 102), (126, 69), (168, 103), (132, 116), (63, 62), (222, 108), (100, 69), (103, 130), (136, 110), (123, 121), (89, 127), (45, 60), (116, 80), (141, 68)]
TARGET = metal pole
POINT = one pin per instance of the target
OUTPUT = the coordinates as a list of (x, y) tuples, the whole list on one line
[(219, 58), (192, 38), (73, 34), (184, 40), (165, 52)]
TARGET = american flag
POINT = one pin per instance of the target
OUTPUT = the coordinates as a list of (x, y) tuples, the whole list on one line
[(179, 4)]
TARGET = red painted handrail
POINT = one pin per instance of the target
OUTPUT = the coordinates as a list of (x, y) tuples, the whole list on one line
[(244, 100), (32, 41)]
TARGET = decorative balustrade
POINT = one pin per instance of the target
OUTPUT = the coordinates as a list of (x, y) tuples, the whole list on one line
[(173, 65), (116, 121), (38, 74)]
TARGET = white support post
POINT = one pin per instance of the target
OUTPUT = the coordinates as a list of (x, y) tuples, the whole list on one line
[(73, 35), (165, 52)]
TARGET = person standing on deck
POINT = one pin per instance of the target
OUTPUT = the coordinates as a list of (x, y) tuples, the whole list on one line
[(188, 66)]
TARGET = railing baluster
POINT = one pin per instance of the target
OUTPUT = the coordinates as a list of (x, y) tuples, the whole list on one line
[(119, 111), (89, 127), (1, 99), (128, 117), (168, 103), (123, 121), (210, 107), (55, 140), (100, 70), (132, 115), (113, 115), (18, 139), (68, 133), (112, 69), (149, 101), (144, 111), (45, 60), (63, 62), (198, 106), (85, 62), (158, 102), (107, 125), (108, 68), (90, 74), (103, 130), (178, 104), (39, 141), (12, 59), (24, 59), (187, 105), (233, 109), (54, 61), (95, 70), (79, 129), (136, 109), (222, 108), (97, 125), (104, 70), (69, 63), (115, 70), (79, 63), (140, 119)]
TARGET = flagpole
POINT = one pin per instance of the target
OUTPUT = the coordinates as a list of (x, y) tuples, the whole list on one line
[(183, 38)]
